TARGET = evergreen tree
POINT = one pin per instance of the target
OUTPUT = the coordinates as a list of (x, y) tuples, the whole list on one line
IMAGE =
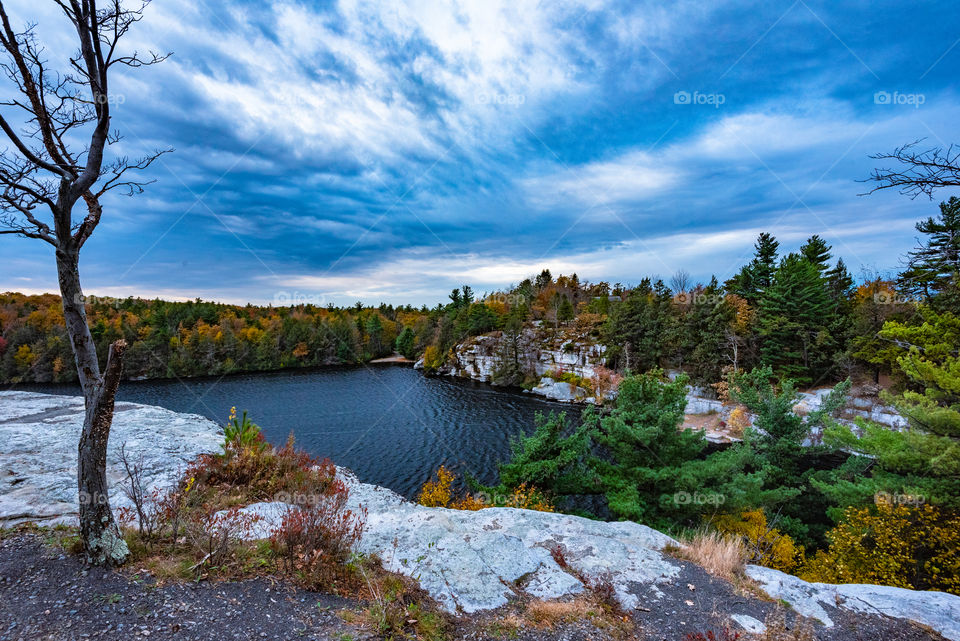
[(565, 312), (817, 252), (793, 315), (933, 268), (922, 462), (755, 277), (406, 343)]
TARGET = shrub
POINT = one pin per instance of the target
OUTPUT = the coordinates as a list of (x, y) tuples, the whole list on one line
[(438, 492), (259, 474), (212, 534), (315, 541), (916, 547), (764, 544), (433, 358), (242, 434)]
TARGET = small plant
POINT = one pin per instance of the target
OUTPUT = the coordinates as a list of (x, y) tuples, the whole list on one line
[(213, 534), (242, 433), (719, 555), (437, 493)]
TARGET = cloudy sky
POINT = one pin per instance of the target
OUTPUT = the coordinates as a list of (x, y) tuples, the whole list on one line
[(389, 151)]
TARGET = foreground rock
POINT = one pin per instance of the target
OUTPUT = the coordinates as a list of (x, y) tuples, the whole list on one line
[(38, 452), (936, 610)]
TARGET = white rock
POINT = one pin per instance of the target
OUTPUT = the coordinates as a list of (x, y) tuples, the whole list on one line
[(937, 610), (473, 561), (748, 623), (38, 452)]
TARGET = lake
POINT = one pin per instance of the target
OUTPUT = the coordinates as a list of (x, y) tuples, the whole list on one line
[(388, 423)]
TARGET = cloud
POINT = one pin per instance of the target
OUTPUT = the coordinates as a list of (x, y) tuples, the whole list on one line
[(375, 151)]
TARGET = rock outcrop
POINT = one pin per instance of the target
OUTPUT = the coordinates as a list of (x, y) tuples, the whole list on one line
[(38, 452)]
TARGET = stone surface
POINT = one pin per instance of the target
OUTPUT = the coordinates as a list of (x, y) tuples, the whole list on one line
[(937, 610), (471, 561), (560, 391), (38, 451), (748, 623)]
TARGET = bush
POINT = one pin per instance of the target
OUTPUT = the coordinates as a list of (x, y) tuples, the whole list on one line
[(315, 542), (915, 547), (764, 544), (438, 493)]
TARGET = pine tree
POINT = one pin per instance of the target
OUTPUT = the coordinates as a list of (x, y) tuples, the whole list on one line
[(933, 268), (755, 277), (922, 462), (817, 251), (793, 314)]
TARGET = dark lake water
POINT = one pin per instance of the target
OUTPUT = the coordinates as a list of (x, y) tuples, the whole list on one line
[(388, 423)]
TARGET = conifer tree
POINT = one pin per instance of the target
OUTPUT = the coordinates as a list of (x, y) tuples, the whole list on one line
[(933, 268), (793, 314), (755, 277), (924, 460)]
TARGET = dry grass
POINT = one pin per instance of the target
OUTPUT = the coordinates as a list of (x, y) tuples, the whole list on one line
[(719, 555), (779, 630), (587, 608), (547, 614)]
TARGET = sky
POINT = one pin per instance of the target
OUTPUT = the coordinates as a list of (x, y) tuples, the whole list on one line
[(330, 152)]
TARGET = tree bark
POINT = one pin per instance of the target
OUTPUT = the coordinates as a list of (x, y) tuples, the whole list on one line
[(102, 540)]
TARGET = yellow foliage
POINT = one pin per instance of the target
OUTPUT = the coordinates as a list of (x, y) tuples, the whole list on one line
[(432, 358), (436, 493), (916, 547), (739, 421), (766, 545), (529, 498), (301, 351), (24, 358)]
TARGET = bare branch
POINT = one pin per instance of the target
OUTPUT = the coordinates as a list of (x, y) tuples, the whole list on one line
[(924, 171)]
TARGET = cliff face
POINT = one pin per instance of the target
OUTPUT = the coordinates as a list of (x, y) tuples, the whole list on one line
[(542, 351)]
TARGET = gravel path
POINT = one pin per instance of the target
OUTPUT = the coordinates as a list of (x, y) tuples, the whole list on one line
[(47, 595)]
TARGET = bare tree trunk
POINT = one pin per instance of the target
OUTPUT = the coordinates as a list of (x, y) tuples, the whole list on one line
[(103, 543)]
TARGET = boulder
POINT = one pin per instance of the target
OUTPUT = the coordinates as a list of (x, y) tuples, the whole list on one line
[(560, 391), (472, 561)]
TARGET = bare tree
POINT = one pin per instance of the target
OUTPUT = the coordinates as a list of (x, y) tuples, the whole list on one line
[(680, 281), (56, 158), (922, 172)]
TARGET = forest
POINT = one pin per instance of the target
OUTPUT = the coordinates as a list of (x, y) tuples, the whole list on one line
[(801, 314)]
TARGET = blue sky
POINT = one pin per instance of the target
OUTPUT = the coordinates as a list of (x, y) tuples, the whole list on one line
[(338, 151)]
